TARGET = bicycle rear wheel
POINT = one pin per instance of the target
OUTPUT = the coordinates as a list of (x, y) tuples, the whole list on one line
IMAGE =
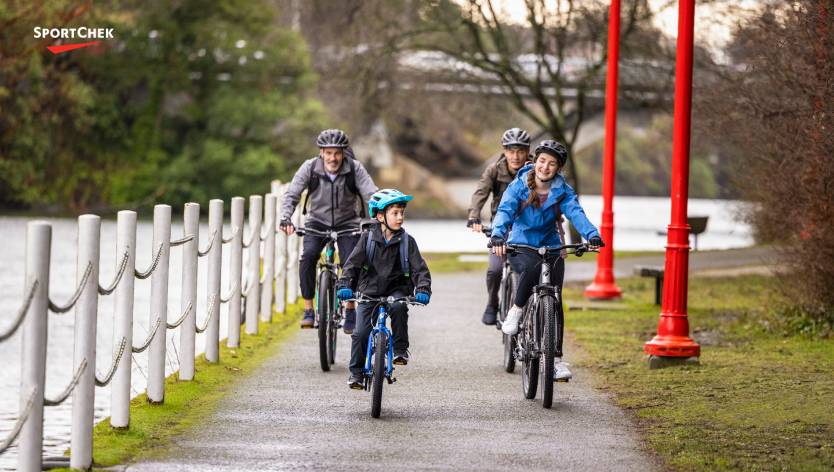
[(548, 342), (530, 361), (325, 307), (333, 332), (378, 374)]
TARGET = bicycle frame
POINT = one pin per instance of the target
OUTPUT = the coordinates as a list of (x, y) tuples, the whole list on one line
[(381, 326)]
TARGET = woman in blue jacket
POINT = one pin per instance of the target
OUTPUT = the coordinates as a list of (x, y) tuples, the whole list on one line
[(532, 206)]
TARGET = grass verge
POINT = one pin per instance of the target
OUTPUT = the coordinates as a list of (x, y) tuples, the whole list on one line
[(186, 403), (759, 400)]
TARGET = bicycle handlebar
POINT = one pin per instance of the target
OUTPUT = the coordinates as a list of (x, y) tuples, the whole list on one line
[(334, 235), (361, 298)]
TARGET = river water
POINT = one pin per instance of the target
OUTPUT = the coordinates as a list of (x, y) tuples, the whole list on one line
[(637, 223)]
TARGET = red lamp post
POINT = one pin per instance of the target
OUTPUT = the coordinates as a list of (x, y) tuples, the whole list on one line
[(604, 287), (672, 341)]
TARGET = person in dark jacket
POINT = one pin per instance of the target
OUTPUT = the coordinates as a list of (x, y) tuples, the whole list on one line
[(383, 276), (342, 184)]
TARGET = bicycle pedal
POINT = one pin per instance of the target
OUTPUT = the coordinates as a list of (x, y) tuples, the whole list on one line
[(562, 380), (392, 380)]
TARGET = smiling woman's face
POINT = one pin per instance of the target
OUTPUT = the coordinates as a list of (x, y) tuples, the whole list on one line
[(332, 158), (546, 166)]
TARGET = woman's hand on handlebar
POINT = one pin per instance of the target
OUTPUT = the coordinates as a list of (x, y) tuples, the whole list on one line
[(595, 243)]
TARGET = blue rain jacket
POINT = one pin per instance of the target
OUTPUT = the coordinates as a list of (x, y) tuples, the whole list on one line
[(537, 226)]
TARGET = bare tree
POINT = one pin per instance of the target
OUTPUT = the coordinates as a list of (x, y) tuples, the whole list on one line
[(560, 47)]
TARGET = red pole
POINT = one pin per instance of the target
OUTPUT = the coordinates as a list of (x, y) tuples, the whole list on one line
[(672, 338), (604, 287)]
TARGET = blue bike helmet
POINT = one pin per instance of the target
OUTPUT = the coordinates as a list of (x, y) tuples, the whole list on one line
[(383, 198)]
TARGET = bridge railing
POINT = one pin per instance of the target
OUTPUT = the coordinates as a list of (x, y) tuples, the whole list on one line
[(270, 281)]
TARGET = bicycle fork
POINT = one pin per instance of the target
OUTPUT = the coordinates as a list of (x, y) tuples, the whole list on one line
[(380, 327)]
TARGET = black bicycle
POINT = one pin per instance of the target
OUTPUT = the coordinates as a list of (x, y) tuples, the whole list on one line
[(539, 330), (329, 311), (509, 281)]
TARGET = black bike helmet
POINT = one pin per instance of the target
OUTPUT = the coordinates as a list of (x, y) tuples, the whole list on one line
[(332, 138), (554, 148), (515, 137)]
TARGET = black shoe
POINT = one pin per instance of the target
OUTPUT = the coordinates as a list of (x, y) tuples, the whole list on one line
[(356, 382), (401, 358), (489, 317)]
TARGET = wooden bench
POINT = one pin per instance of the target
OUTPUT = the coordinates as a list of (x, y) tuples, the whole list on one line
[(657, 273)]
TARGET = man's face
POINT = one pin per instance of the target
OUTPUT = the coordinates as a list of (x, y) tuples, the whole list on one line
[(395, 216), (332, 158), (516, 157)]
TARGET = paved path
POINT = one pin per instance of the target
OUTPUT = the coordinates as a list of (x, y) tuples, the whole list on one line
[(453, 408)]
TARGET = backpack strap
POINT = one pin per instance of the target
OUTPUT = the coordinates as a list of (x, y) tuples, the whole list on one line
[(312, 185), (350, 183), (404, 264), (370, 249)]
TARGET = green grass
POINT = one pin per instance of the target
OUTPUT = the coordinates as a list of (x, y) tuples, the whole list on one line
[(187, 403), (759, 400), (443, 262)]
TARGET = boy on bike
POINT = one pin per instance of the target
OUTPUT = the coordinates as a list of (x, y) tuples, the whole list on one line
[(495, 179), (336, 186), (386, 262)]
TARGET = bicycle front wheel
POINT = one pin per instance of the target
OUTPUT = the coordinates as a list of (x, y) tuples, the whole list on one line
[(325, 308), (378, 374), (530, 360), (548, 315)]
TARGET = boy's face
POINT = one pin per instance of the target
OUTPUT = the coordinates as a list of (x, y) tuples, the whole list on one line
[(332, 158), (395, 217)]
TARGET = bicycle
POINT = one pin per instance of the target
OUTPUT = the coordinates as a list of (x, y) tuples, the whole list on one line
[(509, 280), (539, 332), (329, 314), (379, 358)]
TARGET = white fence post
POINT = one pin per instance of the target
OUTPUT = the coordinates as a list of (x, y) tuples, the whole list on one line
[(124, 297), (235, 272), (89, 233), (159, 303), (215, 263), (269, 258), (188, 299), (293, 254), (253, 279), (33, 345), (280, 252)]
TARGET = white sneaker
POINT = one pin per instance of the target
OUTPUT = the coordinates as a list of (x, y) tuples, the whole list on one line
[(510, 325), (561, 373)]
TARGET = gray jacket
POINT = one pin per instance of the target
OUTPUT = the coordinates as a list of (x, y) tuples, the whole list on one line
[(495, 179), (332, 204)]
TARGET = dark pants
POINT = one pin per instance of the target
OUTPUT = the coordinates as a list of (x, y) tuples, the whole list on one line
[(310, 254), (493, 279), (365, 318), (529, 266)]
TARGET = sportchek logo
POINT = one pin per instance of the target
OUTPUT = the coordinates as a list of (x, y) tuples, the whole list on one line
[(81, 32)]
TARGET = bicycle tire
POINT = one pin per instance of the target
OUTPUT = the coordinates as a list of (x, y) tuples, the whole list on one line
[(333, 332), (378, 374), (508, 341), (530, 362), (548, 342), (325, 319)]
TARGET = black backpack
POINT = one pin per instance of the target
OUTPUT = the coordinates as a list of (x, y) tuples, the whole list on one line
[(370, 250), (350, 182)]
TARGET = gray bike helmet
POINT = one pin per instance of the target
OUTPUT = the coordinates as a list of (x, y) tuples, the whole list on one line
[(515, 137), (332, 138), (554, 148)]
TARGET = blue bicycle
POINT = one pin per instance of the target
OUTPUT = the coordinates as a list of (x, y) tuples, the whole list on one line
[(379, 360)]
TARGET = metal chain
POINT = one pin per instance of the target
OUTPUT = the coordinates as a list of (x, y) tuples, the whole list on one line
[(144, 275), (109, 376), (66, 393), (147, 342), (20, 421), (210, 245), (251, 239), (181, 319), (183, 240), (231, 236), (112, 287), (71, 303), (21, 314), (209, 314), (264, 232), (230, 295)]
